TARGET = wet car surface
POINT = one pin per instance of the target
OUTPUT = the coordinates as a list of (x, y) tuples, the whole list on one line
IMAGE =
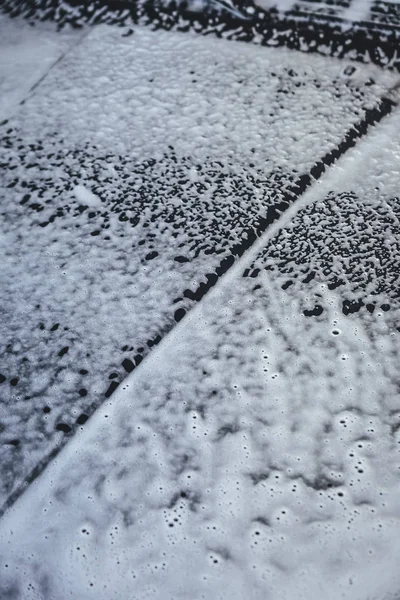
[(200, 248)]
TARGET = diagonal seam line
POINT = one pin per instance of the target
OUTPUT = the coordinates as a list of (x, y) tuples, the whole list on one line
[(295, 191), (51, 67)]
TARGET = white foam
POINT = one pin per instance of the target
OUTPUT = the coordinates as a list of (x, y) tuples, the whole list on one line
[(252, 454), (86, 197)]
